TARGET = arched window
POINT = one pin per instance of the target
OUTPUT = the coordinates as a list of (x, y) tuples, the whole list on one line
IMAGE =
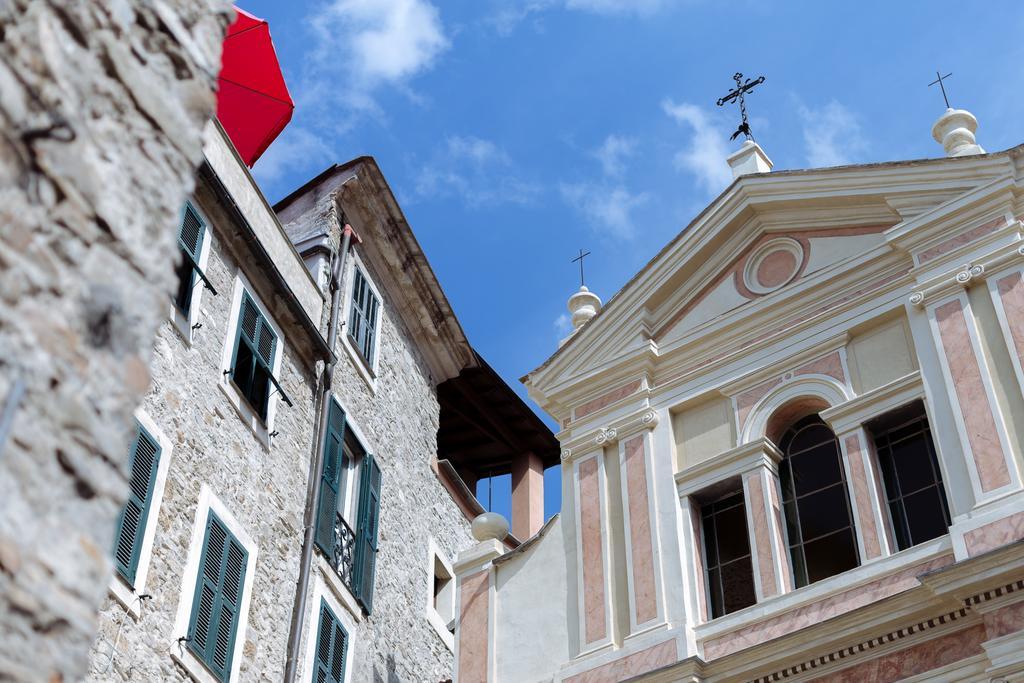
[(819, 521)]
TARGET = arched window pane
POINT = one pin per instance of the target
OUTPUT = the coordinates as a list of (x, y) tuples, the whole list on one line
[(819, 521)]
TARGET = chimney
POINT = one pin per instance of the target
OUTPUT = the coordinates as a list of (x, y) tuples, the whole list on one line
[(583, 305), (749, 158), (955, 132)]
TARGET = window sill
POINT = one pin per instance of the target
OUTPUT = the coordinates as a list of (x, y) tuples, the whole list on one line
[(125, 595), (245, 412), (437, 621), (181, 324), (192, 665), (338, 587), (815, 592), (362, 367)]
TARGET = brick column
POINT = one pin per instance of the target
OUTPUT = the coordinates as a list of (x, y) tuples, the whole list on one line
[(474, 612), (527, 496)]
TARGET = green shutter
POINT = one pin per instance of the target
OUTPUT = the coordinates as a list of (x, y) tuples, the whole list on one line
[(192, 232), (218, 598), (190, 240), (331, 647), (143, 462), (362, 322), (366, 536), (251, 364), (330, 481)]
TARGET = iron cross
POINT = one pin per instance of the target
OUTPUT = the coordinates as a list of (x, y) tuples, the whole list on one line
[(580, 259), (941, 86), (742, 87)]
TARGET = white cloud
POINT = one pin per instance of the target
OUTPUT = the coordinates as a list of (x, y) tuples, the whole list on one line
[(608, 208), (477, 171), (613, 153), (832, 134), (510, 13), (705, 156), (563, 326), (297, 149)]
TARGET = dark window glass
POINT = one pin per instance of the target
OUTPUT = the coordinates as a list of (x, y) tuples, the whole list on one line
[(730, 572), (819, 521), (910, 471)]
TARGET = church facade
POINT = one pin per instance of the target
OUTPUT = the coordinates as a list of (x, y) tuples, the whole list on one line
[(791, 444)]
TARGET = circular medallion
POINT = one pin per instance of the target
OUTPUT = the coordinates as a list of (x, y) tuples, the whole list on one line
[(773, 265)]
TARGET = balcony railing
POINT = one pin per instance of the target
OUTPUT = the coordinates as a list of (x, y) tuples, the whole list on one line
[(343, 557)]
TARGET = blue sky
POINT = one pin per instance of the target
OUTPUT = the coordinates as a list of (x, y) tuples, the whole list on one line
[(516, 132)]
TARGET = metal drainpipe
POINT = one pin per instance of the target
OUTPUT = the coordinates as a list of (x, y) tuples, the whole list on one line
[(313, 491)]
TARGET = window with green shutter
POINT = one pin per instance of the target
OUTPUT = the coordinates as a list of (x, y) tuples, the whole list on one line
[(254, 356), (190, 240), (217, 603), (366, 536), (362, 323), (330, 482), (331, 647), (143, 462)]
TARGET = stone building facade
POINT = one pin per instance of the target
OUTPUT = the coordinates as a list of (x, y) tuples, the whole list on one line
[(239, 470), (101, 111), (791, 445)]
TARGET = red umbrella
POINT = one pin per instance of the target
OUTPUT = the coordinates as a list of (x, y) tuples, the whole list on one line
[(253, 103)]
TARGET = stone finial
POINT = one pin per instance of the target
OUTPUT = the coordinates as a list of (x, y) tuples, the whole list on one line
[(749, 158), (583, 305), (955, 132), (490, 525)]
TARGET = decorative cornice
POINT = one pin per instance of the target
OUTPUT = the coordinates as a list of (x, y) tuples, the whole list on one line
[(967, 274), (846, 416), (605, 436), (734, 462)]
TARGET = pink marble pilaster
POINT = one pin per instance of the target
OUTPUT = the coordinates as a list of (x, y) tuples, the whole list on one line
[(1011, 295), (641, 545), (765, 533), (867, 517), (974, 405), (473, 632), (595, 626)]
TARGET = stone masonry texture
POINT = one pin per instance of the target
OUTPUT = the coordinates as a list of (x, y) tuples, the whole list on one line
[(263, 488), (102, 103)]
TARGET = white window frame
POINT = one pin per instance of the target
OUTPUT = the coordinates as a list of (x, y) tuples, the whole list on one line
[(246, 412), (349, 495), (182, 324), (367, 372), (436, 619), (124, 592), (345, 614), (179, 650)]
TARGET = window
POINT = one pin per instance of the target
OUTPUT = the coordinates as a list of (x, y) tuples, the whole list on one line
[(331, 647), (190, 241), (441, 594), (913, 482), (218, 598), (349, 507), (362, 323), (819, 522), (252, 362), (143, 462), (727, 561)]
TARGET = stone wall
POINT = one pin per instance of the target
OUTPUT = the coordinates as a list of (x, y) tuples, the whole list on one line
[(101, 109), (264, 488), (400, 419)]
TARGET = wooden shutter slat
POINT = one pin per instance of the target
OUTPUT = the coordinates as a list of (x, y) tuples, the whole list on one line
[(366, 542), (330, 481), (143, 462), (332, 644)]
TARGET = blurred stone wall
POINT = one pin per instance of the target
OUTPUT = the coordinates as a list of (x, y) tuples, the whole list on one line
[(102, 104)]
